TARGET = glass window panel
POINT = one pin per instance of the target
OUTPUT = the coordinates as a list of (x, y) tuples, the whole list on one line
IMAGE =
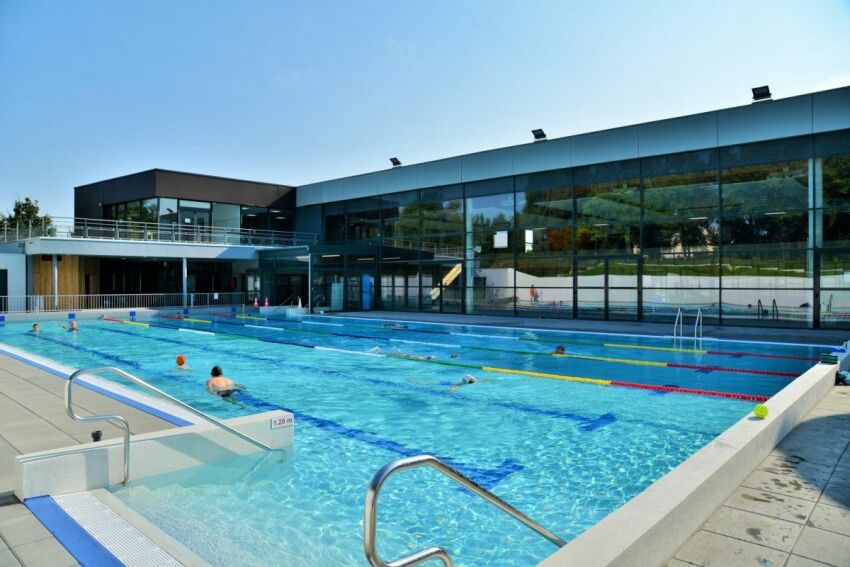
[(364, 219), (442, 210), (489, 187), (134, 211), (774, 188), (779, 227), (167, 210), (491, 212), (836, 181), (497, 243), (121, 211), (767, 307), (253, 218), (622, 304), (603, 238), (109, 212), (280, 219), (781, 269), (673, 165), (622, 272), (400, 215), (590, 272), (335, 227), (591, 303), (766, 152), (493, 272), (194, 213), (399, 285), (611, 202), (226, 216), (835, 269), (542, 240), (435, 246), (835, 309), (662, 304), (552, 271), (149, 210), (492, 300), (697, 234), (681, 270), (544, 302)]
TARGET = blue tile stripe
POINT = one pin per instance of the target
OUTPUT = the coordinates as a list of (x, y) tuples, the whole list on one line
[(86, 550)]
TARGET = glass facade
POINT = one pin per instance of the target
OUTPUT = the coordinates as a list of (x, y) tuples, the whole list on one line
[(201, 214), (753, 234)]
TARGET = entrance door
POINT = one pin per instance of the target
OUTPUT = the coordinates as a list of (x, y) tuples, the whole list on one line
[(289, 287), (4, 290), (606, 288)]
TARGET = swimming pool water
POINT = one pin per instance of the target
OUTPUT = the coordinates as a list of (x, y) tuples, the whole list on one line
[(565, 453)]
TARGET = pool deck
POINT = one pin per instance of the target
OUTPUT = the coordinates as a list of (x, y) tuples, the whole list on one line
[(789, 335), (33, 418), (794, 509)]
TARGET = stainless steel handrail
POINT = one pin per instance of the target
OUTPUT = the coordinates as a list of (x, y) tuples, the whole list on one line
[(370, 514), (678, 324), (698, 325), (154, 389)]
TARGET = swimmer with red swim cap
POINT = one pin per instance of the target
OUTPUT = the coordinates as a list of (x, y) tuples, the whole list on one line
[(181, 362)]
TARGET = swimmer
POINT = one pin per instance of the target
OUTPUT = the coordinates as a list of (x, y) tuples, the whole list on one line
[(375, 350), (394, 326), (559, 350), (420, 357), (181, 362), (454, 355), (73, 327), (467, 379), (222, 386), (35, 328)]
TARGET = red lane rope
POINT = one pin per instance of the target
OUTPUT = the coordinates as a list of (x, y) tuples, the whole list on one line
[(741, 370), (762, 355), (716, 394)]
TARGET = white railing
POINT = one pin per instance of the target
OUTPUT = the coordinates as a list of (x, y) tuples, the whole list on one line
[(37, 303), (100, 229)]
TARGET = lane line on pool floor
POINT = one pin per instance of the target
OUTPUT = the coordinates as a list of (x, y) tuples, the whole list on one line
[(567, 378)]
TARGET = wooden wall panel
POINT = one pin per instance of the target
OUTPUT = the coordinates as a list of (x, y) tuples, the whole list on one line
[(72, 274)]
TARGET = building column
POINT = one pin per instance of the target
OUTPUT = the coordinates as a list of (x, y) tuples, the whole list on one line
[(469, 261), (815, 240), (54, 282), (185, 283)]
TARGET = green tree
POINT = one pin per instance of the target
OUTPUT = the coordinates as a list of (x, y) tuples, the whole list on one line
[(24, 212)]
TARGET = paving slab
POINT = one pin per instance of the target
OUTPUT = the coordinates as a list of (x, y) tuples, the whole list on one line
[(44, 553), (827, 547), (830, 518), (713, 550), (754, 528), (789, 484), (836, 495), (778, 506), (8, 559), (797, 561)]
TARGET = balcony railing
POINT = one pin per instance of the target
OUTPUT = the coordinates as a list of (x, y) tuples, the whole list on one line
[(37, 303), (99, 229)]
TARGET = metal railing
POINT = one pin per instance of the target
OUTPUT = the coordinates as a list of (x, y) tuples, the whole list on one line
[(370, 514), (678, 325), (101, 229), (37, 303), (139, 382), (698, 326)]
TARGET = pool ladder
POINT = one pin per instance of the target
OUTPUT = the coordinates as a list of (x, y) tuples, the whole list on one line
[(126, 426), (678, 329), (370, 515)]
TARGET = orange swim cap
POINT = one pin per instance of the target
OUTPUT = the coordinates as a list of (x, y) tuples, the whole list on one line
[(181, 360)]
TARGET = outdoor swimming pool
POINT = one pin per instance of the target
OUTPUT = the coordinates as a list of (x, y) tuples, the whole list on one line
[(565, 452)]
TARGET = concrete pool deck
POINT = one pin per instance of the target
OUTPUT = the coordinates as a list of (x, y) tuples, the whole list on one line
[(32, 406), (794, 509)]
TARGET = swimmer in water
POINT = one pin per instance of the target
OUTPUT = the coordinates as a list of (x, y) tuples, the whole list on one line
[(375, 350), (222, 386), (454, 355), (181, 362), (559, 350), (394, 326), (35, 328), (467, 379), (72, 327)]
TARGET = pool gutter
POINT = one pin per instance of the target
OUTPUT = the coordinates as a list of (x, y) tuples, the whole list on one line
[(650, 528)]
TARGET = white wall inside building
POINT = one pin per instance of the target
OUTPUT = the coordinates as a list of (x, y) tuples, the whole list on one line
[(16, 268)]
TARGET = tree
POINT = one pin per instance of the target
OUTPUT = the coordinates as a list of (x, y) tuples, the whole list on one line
[(25, 212)]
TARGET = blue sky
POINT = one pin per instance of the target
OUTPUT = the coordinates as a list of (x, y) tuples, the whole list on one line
[(299, 92)]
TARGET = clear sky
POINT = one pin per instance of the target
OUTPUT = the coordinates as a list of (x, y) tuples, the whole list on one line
[(296, 92)]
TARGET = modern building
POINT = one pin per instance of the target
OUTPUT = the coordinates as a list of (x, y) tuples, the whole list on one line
[(742, 213)]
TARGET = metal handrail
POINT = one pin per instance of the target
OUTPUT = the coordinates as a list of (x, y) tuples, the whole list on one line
[(698, 325), (774, 310), (370, 513), (760, 307), (139, 382), (678, 325)]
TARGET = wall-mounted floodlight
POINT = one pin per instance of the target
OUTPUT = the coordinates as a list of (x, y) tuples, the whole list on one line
[(395, 161), (761, 93), (539, 134)]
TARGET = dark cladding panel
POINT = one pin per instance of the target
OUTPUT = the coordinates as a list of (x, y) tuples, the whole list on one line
[(89, 199), (222, 190)]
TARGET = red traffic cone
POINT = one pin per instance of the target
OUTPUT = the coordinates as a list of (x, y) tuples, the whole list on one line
[(266, 304), (256, 301)]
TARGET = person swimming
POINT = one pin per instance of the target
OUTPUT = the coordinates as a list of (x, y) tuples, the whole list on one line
[(181, 362), (222, 386), (467, 379), (35, 328), (559, 350), (73, 327)]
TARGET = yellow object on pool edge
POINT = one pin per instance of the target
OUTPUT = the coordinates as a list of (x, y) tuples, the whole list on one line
[(137, 323), (190, 320), (760, 411)]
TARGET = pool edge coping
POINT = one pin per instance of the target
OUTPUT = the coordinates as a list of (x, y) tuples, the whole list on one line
[(651, 527)]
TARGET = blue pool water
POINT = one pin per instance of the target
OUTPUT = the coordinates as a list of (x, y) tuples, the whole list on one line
[(565, 453)]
